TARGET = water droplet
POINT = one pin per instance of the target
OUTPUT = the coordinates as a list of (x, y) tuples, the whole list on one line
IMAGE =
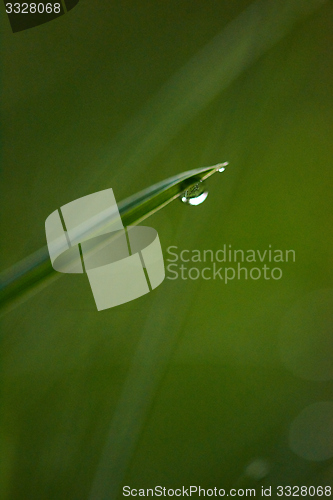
[(221, 166), (195, 195)]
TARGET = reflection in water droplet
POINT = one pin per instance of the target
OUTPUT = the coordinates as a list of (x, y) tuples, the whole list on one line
[(195, 195), (221, 166)]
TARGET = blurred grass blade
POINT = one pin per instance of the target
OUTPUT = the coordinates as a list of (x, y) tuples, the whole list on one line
[(30, 275)]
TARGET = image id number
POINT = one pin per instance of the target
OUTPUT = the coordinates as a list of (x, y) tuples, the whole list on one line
[(303, 491), (33, 8)]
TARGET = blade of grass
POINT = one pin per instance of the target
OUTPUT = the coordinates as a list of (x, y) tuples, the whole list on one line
[(33, 273)]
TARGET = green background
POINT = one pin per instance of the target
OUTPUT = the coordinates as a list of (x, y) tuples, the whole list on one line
[(197, 380)]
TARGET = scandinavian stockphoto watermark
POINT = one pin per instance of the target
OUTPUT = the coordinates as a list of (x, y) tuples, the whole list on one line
[(87, 236), (237, 264), (198, 491)]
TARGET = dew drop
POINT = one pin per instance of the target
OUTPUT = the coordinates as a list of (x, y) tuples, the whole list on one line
[(195, 195), (221, 166)]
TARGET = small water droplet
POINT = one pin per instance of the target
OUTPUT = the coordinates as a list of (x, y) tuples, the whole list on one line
[(221, 166), (195, 195)]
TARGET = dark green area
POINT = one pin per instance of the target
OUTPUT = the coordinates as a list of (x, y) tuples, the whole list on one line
[(190, 383)]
